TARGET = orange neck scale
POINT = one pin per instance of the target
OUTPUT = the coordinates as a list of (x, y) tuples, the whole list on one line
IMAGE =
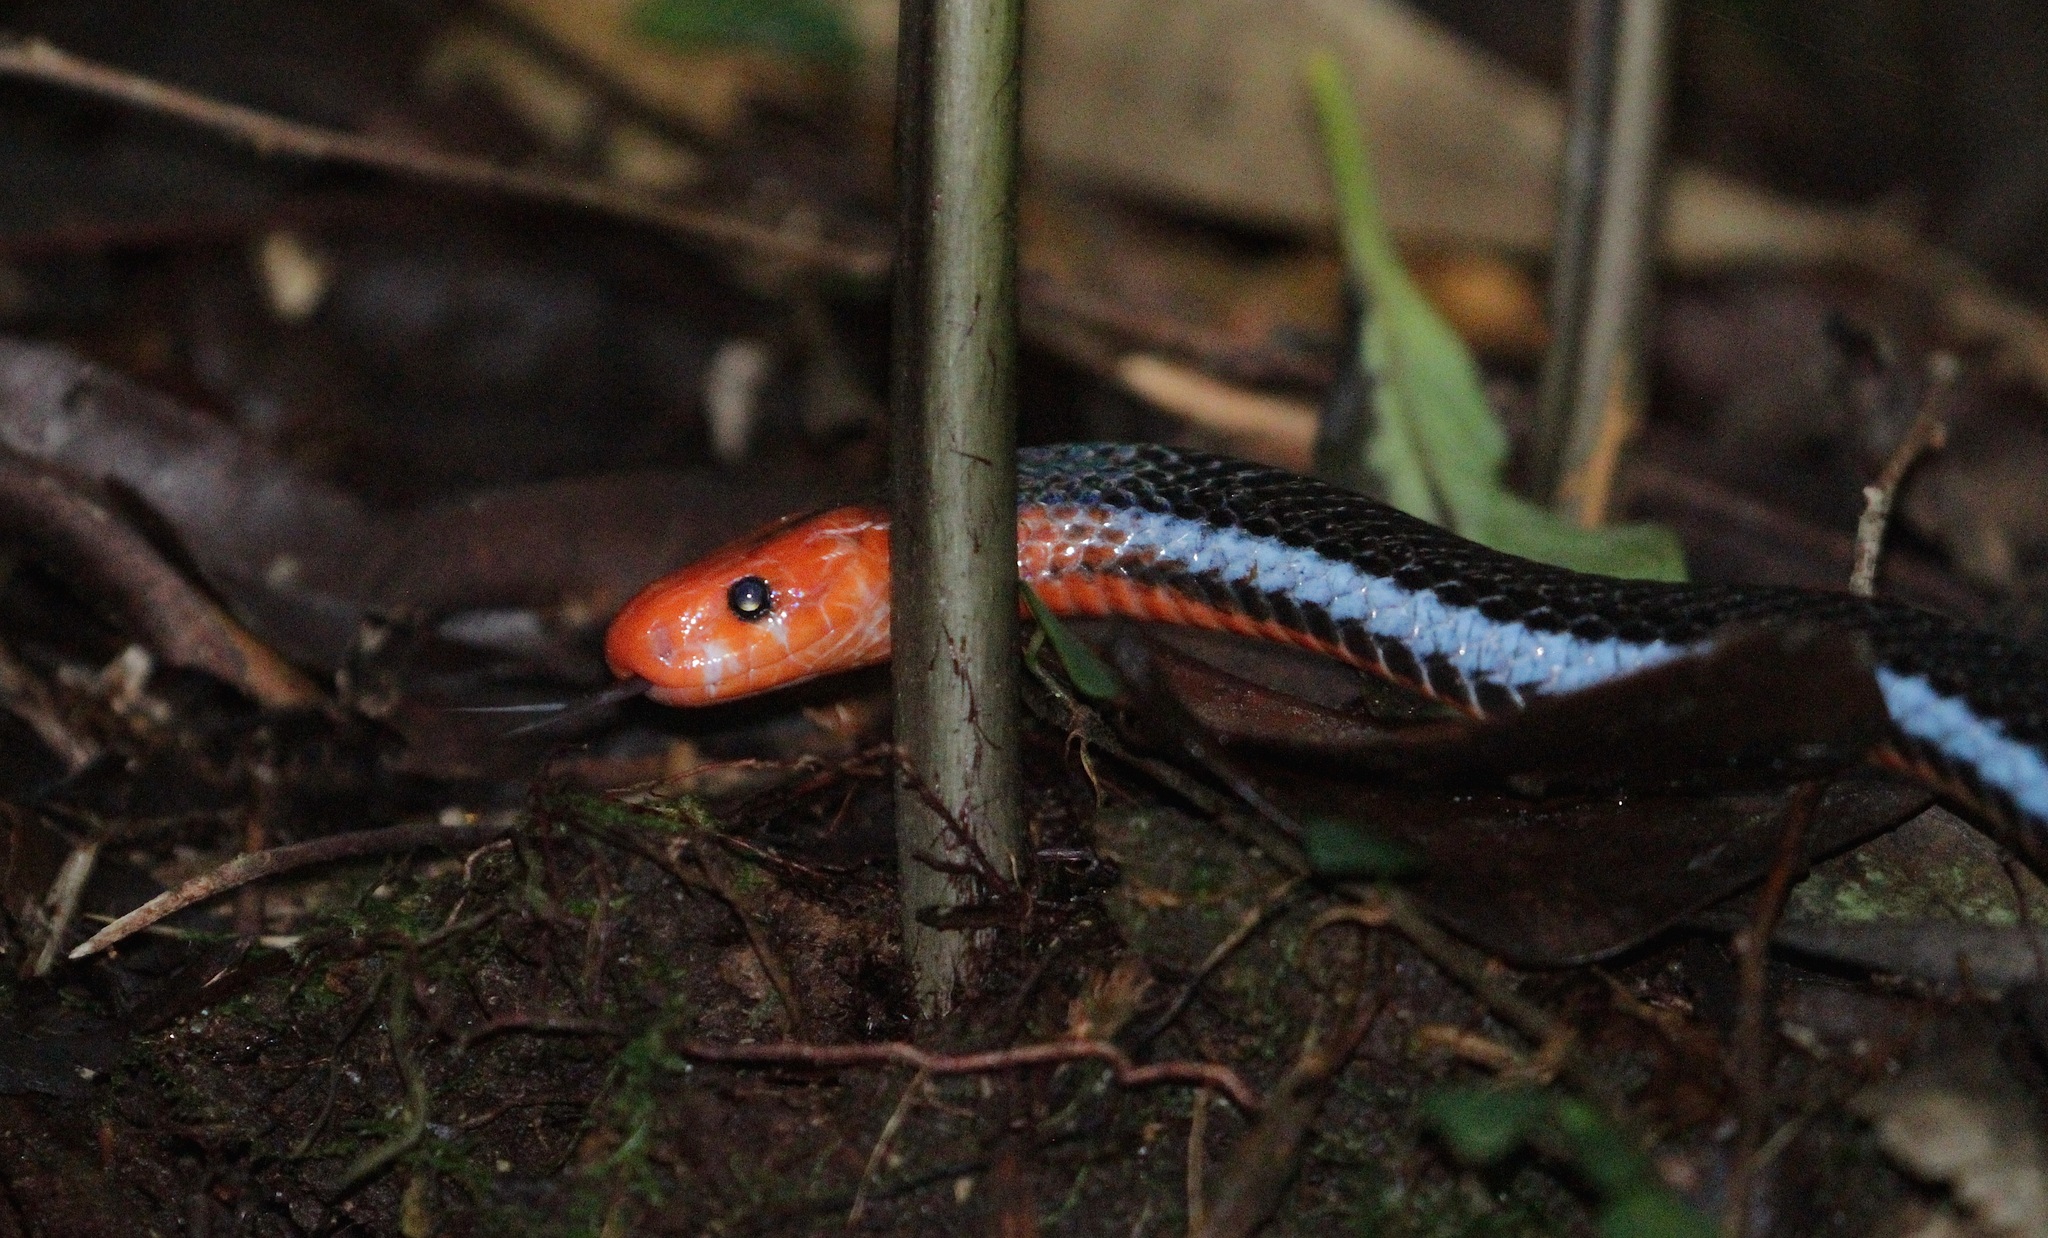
[(823, 591)]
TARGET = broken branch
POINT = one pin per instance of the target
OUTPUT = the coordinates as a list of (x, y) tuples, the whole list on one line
[(257, 865), (37, 60), (1927, 433)]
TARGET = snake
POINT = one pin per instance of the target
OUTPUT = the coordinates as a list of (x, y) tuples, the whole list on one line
[(1174, 536)]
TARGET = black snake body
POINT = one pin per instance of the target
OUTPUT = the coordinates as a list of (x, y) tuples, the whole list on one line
[(1108, 526)]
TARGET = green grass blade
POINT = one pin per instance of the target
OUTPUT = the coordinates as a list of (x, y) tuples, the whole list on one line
[(1090, 675)]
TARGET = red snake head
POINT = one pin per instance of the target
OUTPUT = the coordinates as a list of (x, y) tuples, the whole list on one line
[(803, 598)]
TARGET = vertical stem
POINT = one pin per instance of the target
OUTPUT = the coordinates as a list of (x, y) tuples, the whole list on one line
[(1606, 215), (954, 531), (1750, 1054), (1578, 214)]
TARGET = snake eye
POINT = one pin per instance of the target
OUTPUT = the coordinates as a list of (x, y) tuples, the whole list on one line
[(750, 598)]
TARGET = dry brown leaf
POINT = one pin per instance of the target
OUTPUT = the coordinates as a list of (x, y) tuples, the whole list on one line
[(1202, 101)]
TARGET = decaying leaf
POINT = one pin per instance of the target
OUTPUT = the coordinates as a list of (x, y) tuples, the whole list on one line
[(1575, 830), (1210, 114), (302, 562)]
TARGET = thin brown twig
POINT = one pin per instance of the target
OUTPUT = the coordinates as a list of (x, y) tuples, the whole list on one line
[(980, 866), (458, 928), (1790, 1129), (1198, 1140), (28, 699), (37, 60), (709, 880), (1375, 907), (1469, 1046), (499, 1110), (1927, 433), (883, 1142), (1266, 831), (1213, 1075), (1555, 1039), (1676, 498), (1751, 1064), (254, 867), (1381, 908), (61, 903), (1279, 896), (335, 1066), (469, 878), (1082, 723), (757, 939), (1262, 1164), (256, 837), (751, 853), (85, 542), (2025, 915), (540, 1023), (412, 1111)]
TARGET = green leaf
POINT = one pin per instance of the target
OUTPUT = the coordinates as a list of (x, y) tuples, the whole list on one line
[(1509, 522), (1603, 1153), (800, 29), (1436, 445), (1482, 1125), (1340, 848), (1090, 675), (1650, 1211)]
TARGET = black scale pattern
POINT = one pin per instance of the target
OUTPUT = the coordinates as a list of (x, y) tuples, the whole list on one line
[(1999, 680)]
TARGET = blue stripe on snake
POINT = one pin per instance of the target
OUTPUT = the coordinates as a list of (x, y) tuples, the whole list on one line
[(1487, 631)]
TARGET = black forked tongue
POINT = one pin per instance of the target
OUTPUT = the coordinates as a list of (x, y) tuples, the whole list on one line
[(559, 717)]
